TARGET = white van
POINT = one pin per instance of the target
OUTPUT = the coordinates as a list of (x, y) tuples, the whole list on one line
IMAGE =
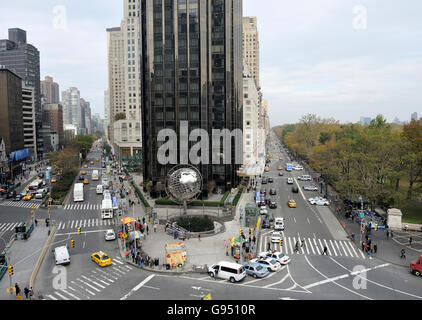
[(40, 193), (61, 254), (100, 189), (228, 270)]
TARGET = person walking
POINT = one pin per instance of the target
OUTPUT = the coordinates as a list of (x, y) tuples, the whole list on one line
[(391, 234), (403, 254), (363, 245), (215, 274), (410, 241), (387, 233), (297, 246), (199, 237), (375, 248), (268, 246), (17, 290), (26, 291), (325, 251), (147, 230)]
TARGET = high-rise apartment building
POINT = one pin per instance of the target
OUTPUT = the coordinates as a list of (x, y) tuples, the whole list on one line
[(414, 116), (29, 127), (124, 54), (53, 115), (71, 101), (50, 90), (24, 59), (192, 71), (86, 116), (251, 46)]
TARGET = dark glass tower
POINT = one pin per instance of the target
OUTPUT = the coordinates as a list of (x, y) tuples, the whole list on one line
[(191, 71), (24, 59)]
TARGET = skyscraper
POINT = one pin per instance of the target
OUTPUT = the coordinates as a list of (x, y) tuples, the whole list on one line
[(192, 71), (24, 59), (53, 115), (71, 101), (414, 116), (251, 46), (50, 90)]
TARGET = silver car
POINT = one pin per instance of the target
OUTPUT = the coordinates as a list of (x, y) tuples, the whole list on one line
[(109, 235)]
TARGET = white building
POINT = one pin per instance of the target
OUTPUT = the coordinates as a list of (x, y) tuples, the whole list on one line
[(71, 102), (29, 127), (71, 127), (251, 46)]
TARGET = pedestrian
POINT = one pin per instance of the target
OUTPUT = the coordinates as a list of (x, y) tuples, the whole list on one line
[(17, 289), (225, 243), (133, 257), (147, 230), (254, 239), (325, 251), (268, 246), (227, 250), (410, 241), (155, 227), (387, 233), (30, 293), (215, 274), (391, 234), (36, 222), (363, 245), (352, 236), (199, 237), (303, 243), (297, 246), (403, 254), (366, 238), (26, 291), (375, 248)]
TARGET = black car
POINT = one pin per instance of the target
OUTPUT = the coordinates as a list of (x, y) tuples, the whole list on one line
[(266, 224), (273, 205), (11, 195), (263, 191), (18, 197), (273, 192), (270, 180), (267, 201), (264, 181), (81, 178), (295, 189)]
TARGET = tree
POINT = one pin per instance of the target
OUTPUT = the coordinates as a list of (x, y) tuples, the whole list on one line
[(120, 116)]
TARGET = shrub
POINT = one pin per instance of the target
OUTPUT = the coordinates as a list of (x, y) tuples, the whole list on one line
[(196, 224), (140, 195), (61, 187), (237, 197)]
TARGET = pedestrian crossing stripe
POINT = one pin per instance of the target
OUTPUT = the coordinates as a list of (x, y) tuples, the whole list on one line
[(8, 226), (82, 207), (84, 223), (315, 246), (21, 204)]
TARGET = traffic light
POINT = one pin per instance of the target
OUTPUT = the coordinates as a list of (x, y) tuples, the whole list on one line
[(79, 230), (10, 270), (72, 243)]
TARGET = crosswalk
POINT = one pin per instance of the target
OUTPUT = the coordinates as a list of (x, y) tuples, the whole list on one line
[(21, 204), (82, 207), (8, 226), (84, 223), (313, 246), (91, 284)]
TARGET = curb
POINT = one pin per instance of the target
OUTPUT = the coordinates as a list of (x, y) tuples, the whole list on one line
[(41, 258)]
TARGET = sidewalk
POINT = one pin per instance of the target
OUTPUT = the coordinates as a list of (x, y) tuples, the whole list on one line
[(23, 256), (207, 251)]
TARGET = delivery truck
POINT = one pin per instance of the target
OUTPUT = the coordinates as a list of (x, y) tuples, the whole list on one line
[(78, 192)]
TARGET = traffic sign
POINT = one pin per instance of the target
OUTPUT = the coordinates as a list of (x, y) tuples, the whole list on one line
[(124, 235)]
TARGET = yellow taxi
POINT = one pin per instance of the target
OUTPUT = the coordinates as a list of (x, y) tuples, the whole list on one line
[(85, 166), (29, 196), (26, 190), (98, 160), (271, 155), (83, 172), (91, 163), (267, 170), (280, 168), (86, 181), (291, 203), (281, 158), (101, 258), (53, 180)]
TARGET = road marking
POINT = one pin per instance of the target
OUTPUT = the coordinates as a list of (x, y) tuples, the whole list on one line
[(145, 281), (361, 295), (312, 247), (343, 246), (51, 297), (90, 280), (326, 281), (294, 219), (338, 247), (72, 224), (334, 249), (60, 224), (118, 261), (84, 223), (70, 294), (90, 292), (114, 268), (106, 283), (314, 235), (326, 244), (279, 282), (111, 274), (308, 220), (87, 284), (322, 246), (291, 248), (69, 287)]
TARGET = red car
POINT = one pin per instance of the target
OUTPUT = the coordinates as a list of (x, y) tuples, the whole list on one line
[(416, 266)]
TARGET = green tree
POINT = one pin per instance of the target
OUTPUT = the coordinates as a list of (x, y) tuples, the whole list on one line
[(120, 116)]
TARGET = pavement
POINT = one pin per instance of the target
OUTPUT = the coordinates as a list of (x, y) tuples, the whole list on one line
[(23, 256)]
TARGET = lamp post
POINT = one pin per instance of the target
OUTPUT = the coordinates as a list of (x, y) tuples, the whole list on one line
[(361, 217)]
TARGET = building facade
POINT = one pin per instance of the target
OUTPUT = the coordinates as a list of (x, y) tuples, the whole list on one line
[(24, 59), (71, 101), (50, 90), (192, 71), (29, 126), (251, 46), (53, 115)]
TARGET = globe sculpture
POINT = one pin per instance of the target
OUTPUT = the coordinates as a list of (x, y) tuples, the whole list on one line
[(183, 184)]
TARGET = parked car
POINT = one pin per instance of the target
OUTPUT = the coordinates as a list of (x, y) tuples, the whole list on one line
[(256, 270), (269, 263), (310, 188), (305, 178), (266, 224), (281, 258)]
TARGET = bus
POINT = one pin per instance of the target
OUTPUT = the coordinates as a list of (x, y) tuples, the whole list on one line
[(78, 192), (95, 175), (289, 167), (35, 185)]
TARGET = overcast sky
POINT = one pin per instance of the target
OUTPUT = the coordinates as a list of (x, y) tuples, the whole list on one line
[(317, 56)]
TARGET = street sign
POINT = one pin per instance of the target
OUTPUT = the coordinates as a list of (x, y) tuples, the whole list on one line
[(47, 175), (362, 215), (124, 235)]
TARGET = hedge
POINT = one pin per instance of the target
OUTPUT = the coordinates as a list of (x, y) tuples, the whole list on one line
[(195, 203), (60, 189), (237, 197), (196, 224), (140, 195)]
